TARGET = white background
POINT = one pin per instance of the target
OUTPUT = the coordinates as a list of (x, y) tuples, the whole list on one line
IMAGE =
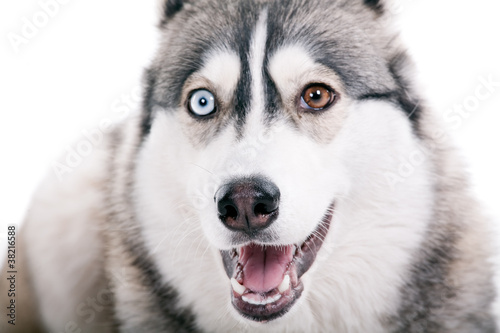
[(90, 55)]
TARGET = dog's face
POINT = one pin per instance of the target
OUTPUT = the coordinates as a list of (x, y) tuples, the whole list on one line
[(265, 120)]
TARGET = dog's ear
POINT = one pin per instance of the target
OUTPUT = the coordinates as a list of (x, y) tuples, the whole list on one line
[(168, 8), (376, 5), (171, 7)]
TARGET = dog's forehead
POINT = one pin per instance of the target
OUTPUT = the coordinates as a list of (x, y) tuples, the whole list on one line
[(323, 28)]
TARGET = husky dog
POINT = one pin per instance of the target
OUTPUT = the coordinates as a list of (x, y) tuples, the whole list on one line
[(284, 176)]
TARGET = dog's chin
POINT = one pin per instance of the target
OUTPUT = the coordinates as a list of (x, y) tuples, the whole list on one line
[(266, 279)]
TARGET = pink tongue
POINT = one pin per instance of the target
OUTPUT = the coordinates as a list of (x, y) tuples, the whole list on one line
[(263, 269)]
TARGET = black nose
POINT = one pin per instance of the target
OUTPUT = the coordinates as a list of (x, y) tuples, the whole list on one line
[(248, 204)]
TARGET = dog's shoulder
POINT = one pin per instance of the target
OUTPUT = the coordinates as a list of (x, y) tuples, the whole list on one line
[(63, 233)]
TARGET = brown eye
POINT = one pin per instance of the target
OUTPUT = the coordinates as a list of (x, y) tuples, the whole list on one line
[(317, 97)]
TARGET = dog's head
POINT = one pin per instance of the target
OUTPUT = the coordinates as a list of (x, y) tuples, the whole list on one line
[(263, 120)]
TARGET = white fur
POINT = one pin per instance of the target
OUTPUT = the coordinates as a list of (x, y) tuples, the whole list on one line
[(256, 61), (222, 68)]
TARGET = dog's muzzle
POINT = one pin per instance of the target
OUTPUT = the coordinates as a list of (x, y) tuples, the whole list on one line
[(265, 279)]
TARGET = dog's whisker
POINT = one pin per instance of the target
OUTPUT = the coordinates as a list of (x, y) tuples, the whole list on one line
[(204, 169), (181, 241)]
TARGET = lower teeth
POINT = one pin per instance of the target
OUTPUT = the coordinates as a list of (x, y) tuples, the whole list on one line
[(266, 301)]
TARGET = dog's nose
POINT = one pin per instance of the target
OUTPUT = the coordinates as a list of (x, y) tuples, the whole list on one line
[(248, 204)]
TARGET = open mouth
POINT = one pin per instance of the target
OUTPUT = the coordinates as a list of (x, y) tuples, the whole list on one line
[(265, 280)]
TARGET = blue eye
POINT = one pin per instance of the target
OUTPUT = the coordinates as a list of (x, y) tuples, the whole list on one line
[(202, 103)]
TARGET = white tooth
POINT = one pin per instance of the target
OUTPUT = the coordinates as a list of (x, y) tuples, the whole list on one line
[(266, 301), (250, 301), (285, 284), (274, 299), (238, 288)]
